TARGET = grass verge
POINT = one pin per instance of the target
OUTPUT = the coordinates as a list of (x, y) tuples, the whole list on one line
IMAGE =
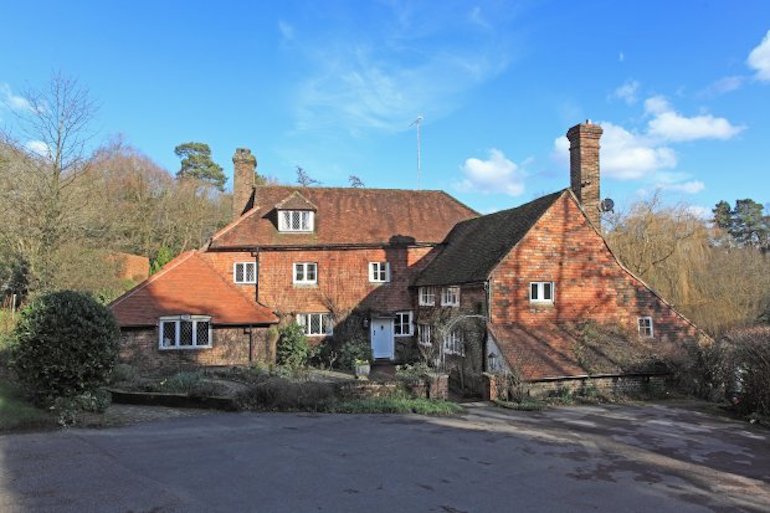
[(396, 405), (531, 405), (16, 414)]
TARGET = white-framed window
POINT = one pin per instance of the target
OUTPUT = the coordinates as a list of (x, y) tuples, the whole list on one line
[(453, 343), (315, 324), (379, 272), (541, 292), (184, 332), (245, 272), (402, 327), (305, 273), (427, 296), (296, 220), (645, 327), (450, 296), (424, 335)]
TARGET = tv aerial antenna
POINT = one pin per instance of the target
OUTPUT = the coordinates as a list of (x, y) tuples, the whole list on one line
[(418, 123)]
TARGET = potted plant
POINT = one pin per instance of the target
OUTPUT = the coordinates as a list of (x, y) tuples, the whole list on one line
[(363, 367)]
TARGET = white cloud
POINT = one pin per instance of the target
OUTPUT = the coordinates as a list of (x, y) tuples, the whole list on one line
[(38, 147), (621, 57), (625, 155), (627, 92), (672, 126), (759, 59), (724, 85), (691, 187), (13, 101), (382, 79), (495, 175), (700, 212)]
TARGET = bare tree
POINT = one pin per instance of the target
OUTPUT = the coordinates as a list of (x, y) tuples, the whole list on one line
[(355, 182), (56, 126), (304, 179)]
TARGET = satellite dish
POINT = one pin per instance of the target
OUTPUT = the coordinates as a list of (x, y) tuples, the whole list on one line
[(607, 205)]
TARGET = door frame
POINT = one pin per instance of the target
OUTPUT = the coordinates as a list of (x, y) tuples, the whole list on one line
[(392, 344)]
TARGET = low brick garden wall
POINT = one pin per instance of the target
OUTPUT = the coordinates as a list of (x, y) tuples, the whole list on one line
[(628, 384)]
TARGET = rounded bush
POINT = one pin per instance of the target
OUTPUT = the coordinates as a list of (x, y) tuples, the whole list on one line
[(64, 345), (292, 349)]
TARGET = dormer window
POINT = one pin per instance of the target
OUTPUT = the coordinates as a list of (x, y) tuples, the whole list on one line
[(296, 220)]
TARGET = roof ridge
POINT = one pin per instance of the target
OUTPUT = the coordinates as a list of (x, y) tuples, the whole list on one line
[(173, 264), (303, 187)]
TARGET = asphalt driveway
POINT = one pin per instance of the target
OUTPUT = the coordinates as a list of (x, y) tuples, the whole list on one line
[(618, 458)]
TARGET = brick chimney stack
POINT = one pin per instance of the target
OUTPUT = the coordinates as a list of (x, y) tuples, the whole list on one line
[(244, 181), (584, 167)]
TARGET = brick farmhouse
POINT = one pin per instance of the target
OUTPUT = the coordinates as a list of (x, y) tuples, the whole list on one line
[(411, 272)]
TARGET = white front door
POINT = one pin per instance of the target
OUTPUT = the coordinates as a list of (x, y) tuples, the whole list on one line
[(382, 338)]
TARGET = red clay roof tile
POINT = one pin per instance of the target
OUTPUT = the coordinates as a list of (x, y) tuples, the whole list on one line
[(348, 216), (189, 284)]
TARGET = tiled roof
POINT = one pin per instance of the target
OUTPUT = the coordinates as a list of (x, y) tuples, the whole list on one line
[(474, 247), (295, 202), (189, 284), (348, 216), (544, 351)]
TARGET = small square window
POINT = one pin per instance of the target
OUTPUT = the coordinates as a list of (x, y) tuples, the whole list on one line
[(453, 343), (296, 220), (316, 324), (427, 296), (305, 273), (403, 325), (379, 272), (646, 327), (245, 272), (185, 332), (541, 292), (450, 296)]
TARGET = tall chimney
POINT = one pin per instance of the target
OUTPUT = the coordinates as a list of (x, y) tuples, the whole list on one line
[(584, 167), (244, 181)]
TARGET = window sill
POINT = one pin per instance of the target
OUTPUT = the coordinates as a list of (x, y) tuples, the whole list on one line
[(305, 285), (184, 348), (404, 336)]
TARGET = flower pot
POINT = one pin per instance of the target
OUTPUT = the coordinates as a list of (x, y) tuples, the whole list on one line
[(362, 370)]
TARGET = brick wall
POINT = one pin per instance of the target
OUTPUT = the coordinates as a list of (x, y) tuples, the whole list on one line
[(563, 248), (343, 280), (494, 386), (230, 346)]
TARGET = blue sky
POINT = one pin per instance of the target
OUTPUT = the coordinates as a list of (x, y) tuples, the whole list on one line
[(681, 88)]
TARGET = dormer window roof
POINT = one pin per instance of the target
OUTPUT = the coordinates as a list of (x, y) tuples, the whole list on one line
[(295, 201), (296, 214)]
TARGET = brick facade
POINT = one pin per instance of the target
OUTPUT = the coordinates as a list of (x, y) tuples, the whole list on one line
[(230, 346), (589, 283)]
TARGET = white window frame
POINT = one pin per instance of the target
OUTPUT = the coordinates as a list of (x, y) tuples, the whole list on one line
[(540, 287), (643, 329), (424, 337), (305, 266), (427, 296), (454, 343), (403, 320), (450, 296), (305, 220), (324, 322), (379, 272), (177, 321), (244, 272)]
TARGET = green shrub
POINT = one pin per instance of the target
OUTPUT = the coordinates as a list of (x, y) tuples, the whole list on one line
[(412, 374), (292, 349), (749, 370), (123, 373), (352, 350), (64, 344), (280, 394)]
